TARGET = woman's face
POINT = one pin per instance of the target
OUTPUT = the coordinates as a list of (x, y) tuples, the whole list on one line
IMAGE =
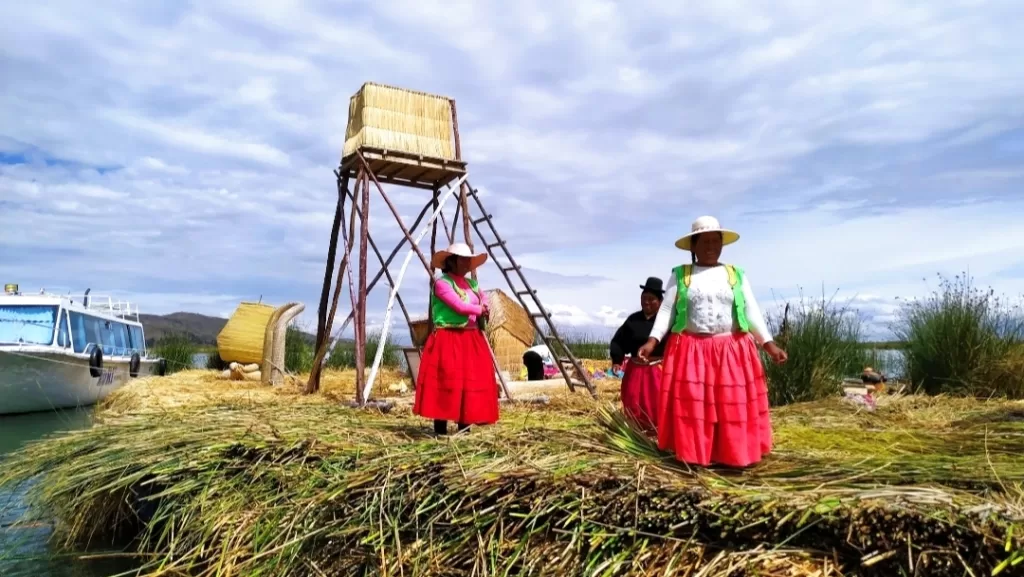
[(461, 266), (708, 247), (649, 303)]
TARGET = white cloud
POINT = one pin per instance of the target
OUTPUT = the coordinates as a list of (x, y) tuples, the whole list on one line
[(179, 151)]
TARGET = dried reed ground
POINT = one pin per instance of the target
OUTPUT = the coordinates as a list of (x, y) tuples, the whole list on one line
[(232, 478)]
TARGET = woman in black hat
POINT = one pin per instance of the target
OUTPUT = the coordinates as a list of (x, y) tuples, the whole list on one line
[(641, 383)]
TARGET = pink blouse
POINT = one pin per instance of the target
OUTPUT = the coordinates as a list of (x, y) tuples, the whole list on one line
[(448, 296)]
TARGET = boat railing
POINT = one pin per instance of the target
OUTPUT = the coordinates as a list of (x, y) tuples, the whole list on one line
[(104, 304)]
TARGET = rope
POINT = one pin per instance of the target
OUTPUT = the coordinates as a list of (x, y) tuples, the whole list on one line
[(70, 364), (398, 282)]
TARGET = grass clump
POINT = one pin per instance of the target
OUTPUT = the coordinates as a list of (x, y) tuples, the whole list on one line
[(570, 489), (962, 339), (822, 341), (343, 354), (178, 350)]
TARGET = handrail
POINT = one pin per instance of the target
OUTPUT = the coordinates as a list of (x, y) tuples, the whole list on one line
[(118, 308)]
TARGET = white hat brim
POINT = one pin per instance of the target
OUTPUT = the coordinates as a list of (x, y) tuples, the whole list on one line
[(728, 237), (437, 261)]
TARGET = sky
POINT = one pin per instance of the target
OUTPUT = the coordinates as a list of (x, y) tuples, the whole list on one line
[(181, 154)]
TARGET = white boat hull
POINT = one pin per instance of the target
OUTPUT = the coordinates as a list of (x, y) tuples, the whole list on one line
[(45, 379)]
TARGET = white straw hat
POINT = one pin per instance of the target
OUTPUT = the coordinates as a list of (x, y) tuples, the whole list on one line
[(707, 224), (458, 249)]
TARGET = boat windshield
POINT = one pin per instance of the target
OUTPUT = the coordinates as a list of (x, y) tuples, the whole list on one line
[(27, 324)]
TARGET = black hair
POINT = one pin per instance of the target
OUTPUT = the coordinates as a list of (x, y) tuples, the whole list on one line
[(449, 263), (534, 366)]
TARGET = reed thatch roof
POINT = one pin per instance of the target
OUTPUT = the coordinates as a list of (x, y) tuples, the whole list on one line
[(391, 118)]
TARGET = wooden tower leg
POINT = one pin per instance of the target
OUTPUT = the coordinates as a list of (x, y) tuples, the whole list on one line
[(364, 231), (322, 336), (342, 267)]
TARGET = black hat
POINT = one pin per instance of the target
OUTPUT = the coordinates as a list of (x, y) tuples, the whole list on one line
[(654, 285)]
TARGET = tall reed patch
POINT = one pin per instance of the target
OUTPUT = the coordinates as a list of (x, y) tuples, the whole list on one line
[(584, 345), (822, 341), (298, 350), (178, 350), (962, 339), (343, 355)]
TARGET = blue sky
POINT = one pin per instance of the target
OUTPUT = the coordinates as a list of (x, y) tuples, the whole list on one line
[(181, 153)]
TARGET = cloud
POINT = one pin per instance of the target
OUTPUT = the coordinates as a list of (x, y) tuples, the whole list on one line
[(184, 153)]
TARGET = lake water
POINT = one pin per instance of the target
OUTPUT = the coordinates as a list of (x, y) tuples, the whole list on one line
[(24, 551)]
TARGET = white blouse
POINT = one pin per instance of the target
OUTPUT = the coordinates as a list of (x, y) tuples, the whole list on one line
[(710, 306)]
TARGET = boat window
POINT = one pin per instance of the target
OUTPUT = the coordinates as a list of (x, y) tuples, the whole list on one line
[(27, 324), (138, 342), (120, 331), (87, 330), (63, 336), (107, 330)]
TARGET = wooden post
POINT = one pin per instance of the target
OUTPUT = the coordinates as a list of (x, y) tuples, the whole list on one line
[(463, 198), (321, 352), (364, 232), (322, 334)]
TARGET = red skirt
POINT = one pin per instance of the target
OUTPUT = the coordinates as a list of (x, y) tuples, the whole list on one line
[(641, 393), (714, 401), (456, 379)]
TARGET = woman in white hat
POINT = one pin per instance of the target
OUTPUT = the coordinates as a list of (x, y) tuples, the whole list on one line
[(456, 379), (714, 397)]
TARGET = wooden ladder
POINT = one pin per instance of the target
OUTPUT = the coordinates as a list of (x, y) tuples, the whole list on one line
[(566, 362)]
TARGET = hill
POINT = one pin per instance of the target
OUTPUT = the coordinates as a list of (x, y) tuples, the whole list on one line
[(201, 329)]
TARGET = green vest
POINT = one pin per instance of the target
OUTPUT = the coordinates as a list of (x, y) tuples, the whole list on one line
[(739, 303), (443, 316)]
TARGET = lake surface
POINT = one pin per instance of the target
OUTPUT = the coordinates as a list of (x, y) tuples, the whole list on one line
[(24, 551)]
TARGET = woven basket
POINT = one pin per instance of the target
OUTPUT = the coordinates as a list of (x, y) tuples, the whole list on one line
[(241, 339), (396, 119)]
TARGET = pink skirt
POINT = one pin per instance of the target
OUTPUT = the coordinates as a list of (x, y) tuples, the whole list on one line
[(640, 393), (714, 401)]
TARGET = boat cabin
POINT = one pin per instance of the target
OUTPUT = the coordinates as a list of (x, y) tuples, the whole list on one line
[(70, 323)]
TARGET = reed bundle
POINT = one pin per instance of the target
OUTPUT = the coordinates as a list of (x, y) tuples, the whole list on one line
[(241, 339), (918, 487)]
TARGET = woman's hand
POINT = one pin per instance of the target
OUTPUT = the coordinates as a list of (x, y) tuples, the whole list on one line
[(645, 351), (774, 351)]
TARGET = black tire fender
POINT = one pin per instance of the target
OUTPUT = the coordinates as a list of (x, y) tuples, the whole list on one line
[(134, 364), (96, 362)]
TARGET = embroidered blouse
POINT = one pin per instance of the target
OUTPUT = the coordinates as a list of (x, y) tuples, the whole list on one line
[(471, 307), (710, 307)]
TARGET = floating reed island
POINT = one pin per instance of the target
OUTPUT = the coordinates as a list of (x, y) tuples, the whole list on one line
[(198, 475)]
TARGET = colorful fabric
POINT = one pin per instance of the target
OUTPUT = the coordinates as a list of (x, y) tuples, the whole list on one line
[(455, 302), (683, 273), (714, 400), (456, 380), (641, 392)]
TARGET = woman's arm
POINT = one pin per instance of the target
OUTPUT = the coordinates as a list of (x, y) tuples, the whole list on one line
[(666, 314), (617, 349), (448, 296), (757, 325)]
